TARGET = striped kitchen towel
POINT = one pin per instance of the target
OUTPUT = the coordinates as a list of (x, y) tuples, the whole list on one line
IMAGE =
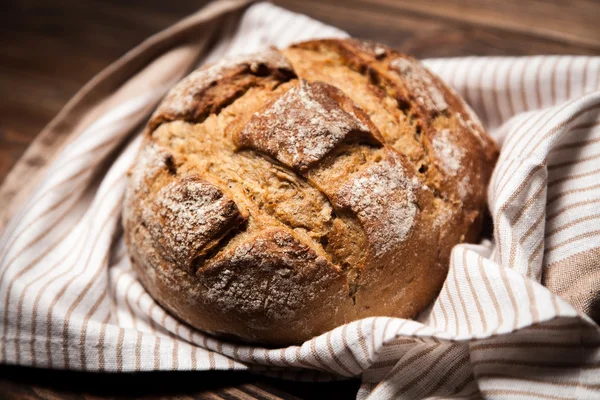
[(515, 317)]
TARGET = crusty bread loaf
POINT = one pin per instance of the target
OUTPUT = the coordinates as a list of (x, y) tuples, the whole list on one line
[(281, 194)]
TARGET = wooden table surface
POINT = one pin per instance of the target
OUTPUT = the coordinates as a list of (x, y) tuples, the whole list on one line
[(50, 48)]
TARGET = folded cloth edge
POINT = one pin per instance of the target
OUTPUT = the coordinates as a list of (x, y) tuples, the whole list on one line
[(53, 136)]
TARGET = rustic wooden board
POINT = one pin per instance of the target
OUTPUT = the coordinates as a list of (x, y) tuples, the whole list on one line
[(28, 383), (50, 48)]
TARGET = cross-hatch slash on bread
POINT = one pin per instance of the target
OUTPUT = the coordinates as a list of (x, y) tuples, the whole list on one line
[(279, 195)]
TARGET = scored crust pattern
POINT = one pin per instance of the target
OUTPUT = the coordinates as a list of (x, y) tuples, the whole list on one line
[(279, 195), (305, 124)]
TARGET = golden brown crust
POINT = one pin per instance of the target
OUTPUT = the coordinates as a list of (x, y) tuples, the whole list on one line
[(306, 123), (188, 217), (212, 87), (280, 195)]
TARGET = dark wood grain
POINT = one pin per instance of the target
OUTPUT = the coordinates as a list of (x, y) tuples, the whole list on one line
[(29, 383), (50, 48)]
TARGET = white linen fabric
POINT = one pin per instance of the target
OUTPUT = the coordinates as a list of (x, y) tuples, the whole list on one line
[(512, 319)]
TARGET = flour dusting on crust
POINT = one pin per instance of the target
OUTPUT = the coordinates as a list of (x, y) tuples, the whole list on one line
[(464, 187), (266, 275), (186, 216), (444, 215), (334, 222), (472, 124), (419, 83), (303, 125), (150, 161), (383, 199), (448, 154), (181, 100), (372, 48)]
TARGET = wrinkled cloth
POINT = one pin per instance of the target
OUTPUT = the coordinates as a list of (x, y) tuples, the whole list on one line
[(514, 319)]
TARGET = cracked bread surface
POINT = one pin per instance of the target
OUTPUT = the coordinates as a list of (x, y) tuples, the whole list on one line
[(279, 195)]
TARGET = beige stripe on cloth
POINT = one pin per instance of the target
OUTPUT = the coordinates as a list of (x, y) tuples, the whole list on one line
[(512, 320)]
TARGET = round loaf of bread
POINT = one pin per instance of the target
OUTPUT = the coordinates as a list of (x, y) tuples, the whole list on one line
[(279, 195)]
